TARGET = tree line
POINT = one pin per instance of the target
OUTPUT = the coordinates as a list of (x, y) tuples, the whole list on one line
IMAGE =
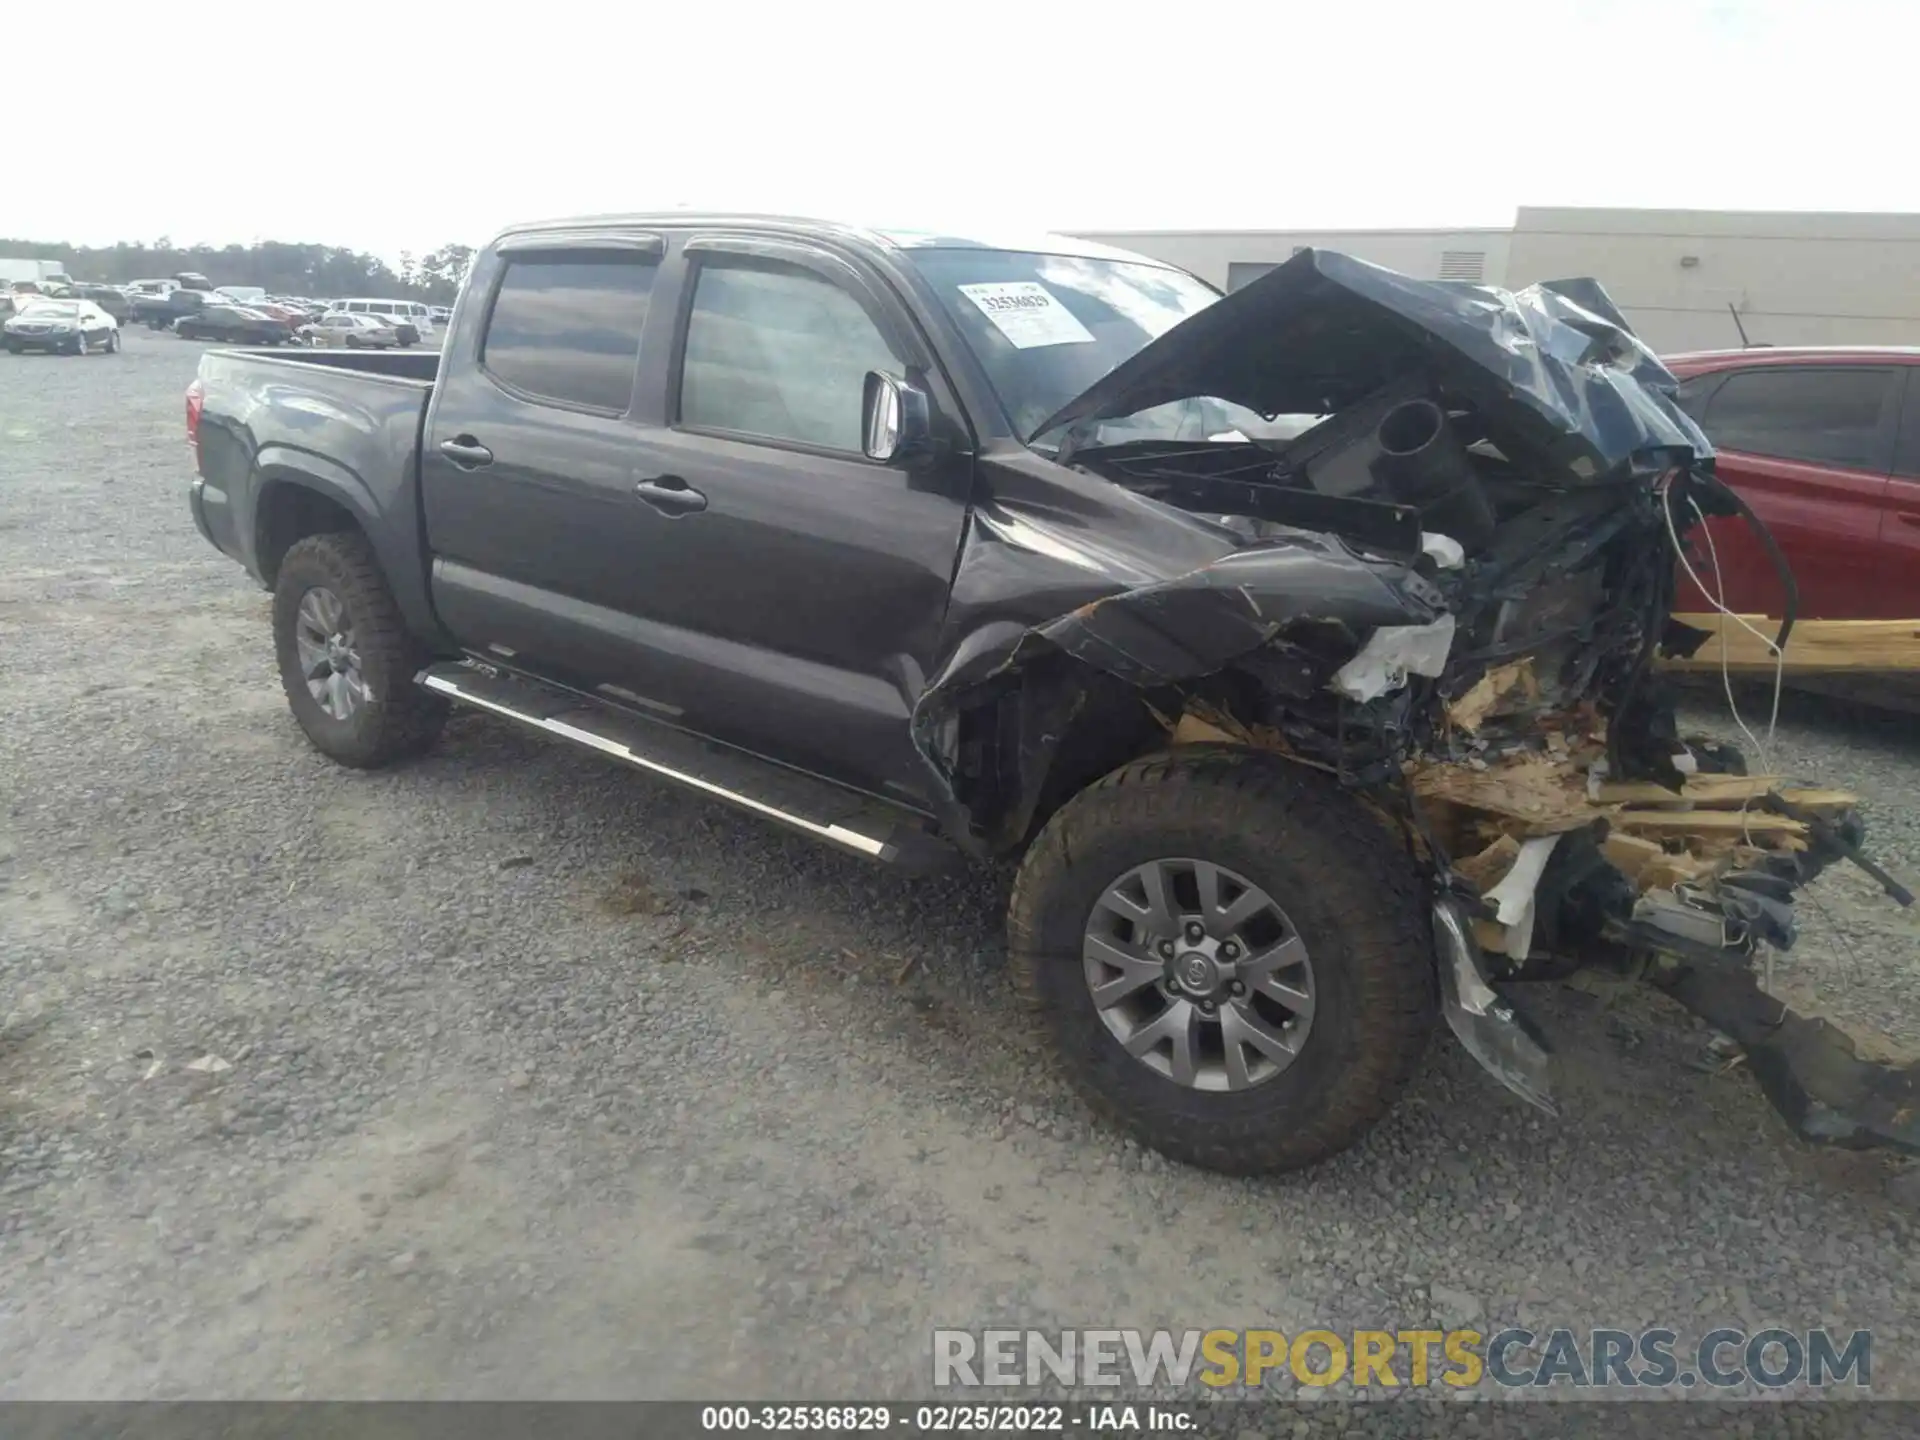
[(277, 266)]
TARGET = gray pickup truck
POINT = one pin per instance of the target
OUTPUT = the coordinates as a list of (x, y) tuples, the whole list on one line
[(1298, 644)]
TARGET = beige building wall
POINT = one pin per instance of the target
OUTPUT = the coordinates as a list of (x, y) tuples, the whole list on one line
[(1230, 258), (1796, 279)]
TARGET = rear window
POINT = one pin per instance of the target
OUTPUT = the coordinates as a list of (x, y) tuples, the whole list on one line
[(566, 327), (1830, 415)]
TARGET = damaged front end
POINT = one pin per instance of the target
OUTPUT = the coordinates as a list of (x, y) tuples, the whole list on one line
[(1446, 582)]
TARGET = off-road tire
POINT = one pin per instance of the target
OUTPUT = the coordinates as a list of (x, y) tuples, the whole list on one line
[(1343, 878), (401, 720)]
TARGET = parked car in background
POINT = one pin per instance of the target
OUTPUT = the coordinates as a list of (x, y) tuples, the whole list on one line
[(293, 319), (234, 323), (159, 311), (350, 332), (439, 314), (192, 280), (395, 313), (242, 294), (1824, 444), (70, 327), (109, 298)]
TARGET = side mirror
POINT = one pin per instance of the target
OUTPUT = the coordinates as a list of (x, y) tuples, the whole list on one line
[(896, 424)]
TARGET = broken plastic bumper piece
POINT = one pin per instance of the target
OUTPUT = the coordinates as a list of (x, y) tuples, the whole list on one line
[(1494, 1033)]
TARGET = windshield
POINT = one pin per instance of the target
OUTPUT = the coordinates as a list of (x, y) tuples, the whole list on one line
[(1045, 327)]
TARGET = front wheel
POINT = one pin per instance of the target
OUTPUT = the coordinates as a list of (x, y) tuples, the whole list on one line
[(113, 342), (1231, 954), (346, 660)]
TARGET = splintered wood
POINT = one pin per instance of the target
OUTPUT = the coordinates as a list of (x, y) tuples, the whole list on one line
[(1656, 837), (1516, 680), (1814, 645), (1522, 795), (1708, 791)]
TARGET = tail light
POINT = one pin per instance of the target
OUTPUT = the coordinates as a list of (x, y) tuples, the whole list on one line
[(196, 397)]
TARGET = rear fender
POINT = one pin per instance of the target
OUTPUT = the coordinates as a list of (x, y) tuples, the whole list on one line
[(281, 469)]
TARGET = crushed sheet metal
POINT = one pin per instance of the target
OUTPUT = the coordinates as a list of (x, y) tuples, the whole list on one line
[(1196, 623), (1554, 368), (1392, 653)]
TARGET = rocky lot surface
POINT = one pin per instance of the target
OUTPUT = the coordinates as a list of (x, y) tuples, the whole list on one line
[(508, 1074)]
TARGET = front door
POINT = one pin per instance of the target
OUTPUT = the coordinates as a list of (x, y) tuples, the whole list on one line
[(794, 590)]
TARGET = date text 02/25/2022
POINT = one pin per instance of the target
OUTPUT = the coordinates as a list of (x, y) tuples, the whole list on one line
[(945, 1419)]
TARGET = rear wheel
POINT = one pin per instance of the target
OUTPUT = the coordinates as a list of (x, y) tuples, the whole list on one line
[(346, 660), (1231, 954)]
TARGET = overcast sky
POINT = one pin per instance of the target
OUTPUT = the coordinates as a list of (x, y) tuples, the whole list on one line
[(402, 126)]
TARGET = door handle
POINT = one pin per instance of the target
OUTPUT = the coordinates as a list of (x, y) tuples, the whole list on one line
[(671, 495), (466, 452)]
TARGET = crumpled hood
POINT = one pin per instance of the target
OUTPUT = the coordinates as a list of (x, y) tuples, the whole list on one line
[(1559, 378)]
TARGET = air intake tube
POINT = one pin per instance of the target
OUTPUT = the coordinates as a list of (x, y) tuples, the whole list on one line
[(1422, 463)]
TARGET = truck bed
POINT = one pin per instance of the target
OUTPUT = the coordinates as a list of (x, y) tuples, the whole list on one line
[(281, 430), (415, 365)]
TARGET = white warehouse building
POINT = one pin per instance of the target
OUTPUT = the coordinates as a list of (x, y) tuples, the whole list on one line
[(1680, 276)]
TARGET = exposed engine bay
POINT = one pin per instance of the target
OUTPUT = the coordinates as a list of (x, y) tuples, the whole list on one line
[(1450, 592)]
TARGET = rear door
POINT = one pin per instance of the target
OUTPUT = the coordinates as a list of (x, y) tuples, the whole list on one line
[(1809, 447), (526, 466)]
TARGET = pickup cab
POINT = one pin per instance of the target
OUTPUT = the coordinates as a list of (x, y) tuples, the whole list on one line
[(1297, 644)]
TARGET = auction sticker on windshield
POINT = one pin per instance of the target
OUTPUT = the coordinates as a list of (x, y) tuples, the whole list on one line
[(1027, 313)]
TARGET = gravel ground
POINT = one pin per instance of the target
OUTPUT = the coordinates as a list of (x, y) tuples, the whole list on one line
[(540, 1079)]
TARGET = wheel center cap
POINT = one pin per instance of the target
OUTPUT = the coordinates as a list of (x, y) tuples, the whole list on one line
[(1198, 973)]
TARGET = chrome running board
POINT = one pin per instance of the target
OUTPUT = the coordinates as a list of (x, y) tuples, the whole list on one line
[(859, 823)]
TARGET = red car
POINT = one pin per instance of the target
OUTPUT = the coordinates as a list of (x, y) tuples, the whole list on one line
[(1824, 444)]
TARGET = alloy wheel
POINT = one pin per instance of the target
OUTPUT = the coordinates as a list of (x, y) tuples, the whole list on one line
[(1199, 974), (329, 661)]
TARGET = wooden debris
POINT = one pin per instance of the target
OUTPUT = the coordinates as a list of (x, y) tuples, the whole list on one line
[(1491, 936), (1705, 827), (1814, 645), (1530, 794), (1668, 870), (1754, 821), (1197, 729), (1729, 791), (1470, 711), (1490, 866), (1630, 854)]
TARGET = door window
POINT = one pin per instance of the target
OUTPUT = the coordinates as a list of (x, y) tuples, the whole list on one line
[(566, 327), (1827, 416), (778, 352)]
